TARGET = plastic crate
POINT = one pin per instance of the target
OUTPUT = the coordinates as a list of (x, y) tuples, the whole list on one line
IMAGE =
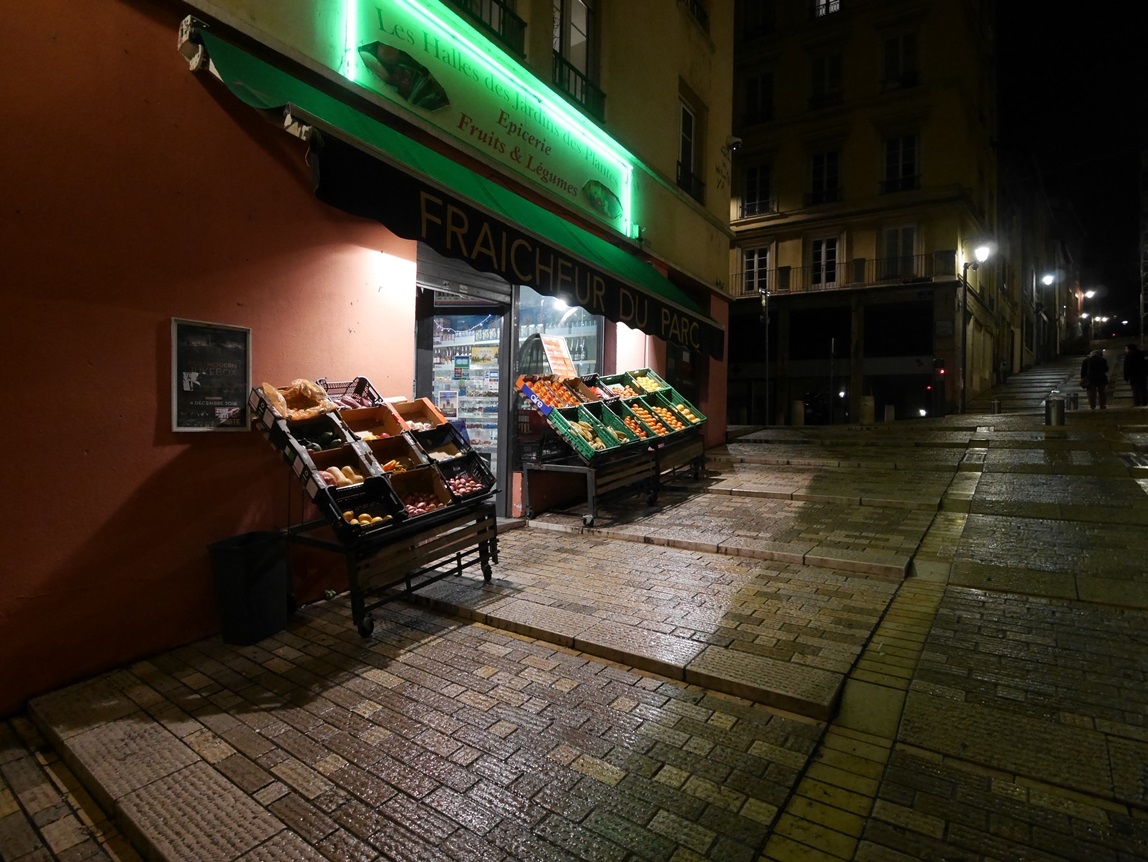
[(622, 412), (401, 449), (417, 413), (470, 465), (677, 402), (327, 432), (262, 414), (442, 443), (418, 484), (583, 392), (641, 410), (617, 383), (656, 399), (380, 421), (601, 392), (546, 392), (350, 456), (563, 421), (350, 394), (646, 372), (374, 497), (612, 422)]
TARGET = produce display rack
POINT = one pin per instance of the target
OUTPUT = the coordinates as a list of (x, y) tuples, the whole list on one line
[(629, 464), (413, 554), (403, 548)]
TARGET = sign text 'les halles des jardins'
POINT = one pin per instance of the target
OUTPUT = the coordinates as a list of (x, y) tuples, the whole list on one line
[(403, 54)]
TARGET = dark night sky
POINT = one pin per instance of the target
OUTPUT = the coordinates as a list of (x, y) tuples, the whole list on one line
[(1072, 90)]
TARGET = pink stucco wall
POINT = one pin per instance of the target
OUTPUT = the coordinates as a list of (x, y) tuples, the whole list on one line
[(134, 191)]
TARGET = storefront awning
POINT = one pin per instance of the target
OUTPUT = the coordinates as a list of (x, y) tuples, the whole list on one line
[(367, 168)]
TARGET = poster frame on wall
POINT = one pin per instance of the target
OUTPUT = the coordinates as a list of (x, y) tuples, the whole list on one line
[(220, 365)]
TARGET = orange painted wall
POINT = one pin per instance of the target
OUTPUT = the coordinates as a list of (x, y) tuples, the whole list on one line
[(132, 191)]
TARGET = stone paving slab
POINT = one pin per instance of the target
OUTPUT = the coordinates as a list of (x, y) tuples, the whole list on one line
[(850, 486), (861, 538), (215, 821), (436, 739), (44, 813), (1098, 562), (1041, 688), (784, 635), (933, 807), (1098, 499)]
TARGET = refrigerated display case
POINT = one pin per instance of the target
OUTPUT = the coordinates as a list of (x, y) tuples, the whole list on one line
[(466, 371)]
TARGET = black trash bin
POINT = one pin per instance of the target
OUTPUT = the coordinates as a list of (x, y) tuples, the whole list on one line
[(252, 588)]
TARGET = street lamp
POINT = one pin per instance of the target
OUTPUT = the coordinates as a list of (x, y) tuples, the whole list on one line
[(981, 253), (764, 291)]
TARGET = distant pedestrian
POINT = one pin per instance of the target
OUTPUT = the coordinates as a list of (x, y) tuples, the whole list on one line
[(1094, 378), (1136, 373)]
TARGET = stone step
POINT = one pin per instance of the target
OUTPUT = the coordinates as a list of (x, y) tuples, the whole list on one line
[(45, 814)]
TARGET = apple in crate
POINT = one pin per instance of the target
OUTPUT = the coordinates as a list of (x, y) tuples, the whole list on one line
[(421, 502), (464, 484)]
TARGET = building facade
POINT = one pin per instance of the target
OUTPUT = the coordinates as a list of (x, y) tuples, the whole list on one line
[(561, 156), (864, 179)]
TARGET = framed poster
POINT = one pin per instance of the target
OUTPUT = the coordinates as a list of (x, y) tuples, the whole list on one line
[(210, 376), (448, 403)]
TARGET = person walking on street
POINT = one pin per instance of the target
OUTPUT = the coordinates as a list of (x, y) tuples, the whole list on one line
[(1136, 373), (1094, 377)]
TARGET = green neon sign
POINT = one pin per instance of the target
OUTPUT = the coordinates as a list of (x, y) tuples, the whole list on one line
[(427, 60)]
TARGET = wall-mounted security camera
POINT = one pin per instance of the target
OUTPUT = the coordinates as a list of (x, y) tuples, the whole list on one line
[(732, 143)]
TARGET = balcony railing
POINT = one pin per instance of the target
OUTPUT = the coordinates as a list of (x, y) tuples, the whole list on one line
[(822, 196), (698, 10), (691, 184), (900, 184), (574, 83), (497, 20), (848, 275), (765, 206)]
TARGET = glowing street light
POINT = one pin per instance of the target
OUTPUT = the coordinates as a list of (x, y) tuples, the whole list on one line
[(982, 253)]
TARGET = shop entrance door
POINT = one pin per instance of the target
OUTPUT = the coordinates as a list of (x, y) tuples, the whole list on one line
[(463, 366), (465, 355)]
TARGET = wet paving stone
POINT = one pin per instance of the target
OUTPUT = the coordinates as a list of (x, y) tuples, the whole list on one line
[(947, 809), (601, 731), (977, 584)]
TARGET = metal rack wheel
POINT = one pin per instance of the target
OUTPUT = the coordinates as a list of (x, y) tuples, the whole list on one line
[(367, 626), (652, 498), (587, 520)]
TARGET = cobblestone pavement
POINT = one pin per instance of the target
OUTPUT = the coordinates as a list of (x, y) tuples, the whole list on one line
[(902, 642)]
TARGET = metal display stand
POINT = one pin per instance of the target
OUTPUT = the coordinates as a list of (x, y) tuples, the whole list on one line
[(633, 474), (411, 555), (689, 451), (640, 472)]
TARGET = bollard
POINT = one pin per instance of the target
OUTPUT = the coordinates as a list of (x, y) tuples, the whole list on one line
[(868, 409), (890, 412), (995, 406), (796, 413), (1074, 401), (1054, 410)]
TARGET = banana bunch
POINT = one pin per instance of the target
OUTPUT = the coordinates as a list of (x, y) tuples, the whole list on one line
[(587, 432)]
